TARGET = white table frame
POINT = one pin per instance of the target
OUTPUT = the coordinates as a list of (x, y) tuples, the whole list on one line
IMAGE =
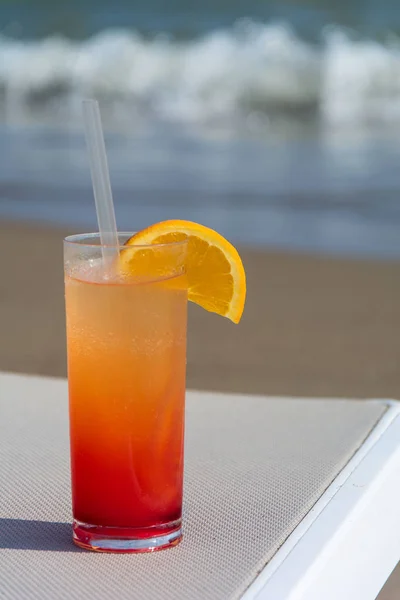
[(349, 543)]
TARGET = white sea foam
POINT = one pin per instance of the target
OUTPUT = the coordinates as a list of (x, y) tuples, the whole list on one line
[(252, 68)]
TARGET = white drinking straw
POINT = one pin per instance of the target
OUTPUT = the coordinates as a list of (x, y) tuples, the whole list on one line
[(100, 180)]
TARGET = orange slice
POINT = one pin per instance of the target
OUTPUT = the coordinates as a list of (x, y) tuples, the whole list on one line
[(214, 270)]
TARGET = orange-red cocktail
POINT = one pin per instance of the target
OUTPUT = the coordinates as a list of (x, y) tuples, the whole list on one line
[(126, 341)]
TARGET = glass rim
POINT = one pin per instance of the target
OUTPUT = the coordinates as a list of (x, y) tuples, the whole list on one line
[(83, 239)]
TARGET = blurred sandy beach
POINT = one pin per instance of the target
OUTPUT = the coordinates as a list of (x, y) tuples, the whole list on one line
[(312, 326)]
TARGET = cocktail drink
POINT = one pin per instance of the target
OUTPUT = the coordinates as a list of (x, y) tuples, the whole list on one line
[(126, 299), (126, 337)]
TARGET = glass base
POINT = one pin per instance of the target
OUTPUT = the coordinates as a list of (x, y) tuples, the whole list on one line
[(126, 539)]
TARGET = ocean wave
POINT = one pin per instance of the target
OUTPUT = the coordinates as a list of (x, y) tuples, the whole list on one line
[(251, 69)]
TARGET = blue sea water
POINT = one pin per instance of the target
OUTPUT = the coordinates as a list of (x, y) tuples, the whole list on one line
[(190, 18), (277, 123)]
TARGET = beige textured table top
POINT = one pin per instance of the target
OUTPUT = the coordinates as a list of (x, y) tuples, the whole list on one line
[(254, 468)]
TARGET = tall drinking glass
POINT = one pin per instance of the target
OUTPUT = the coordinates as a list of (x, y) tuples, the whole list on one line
[(126, 342)]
